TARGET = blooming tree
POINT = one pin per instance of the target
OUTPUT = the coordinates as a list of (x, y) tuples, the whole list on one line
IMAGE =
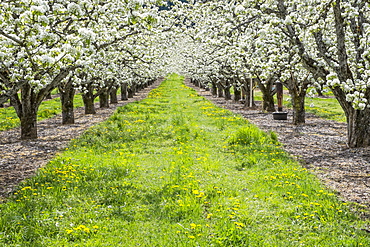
[(299, 43), (41, 42)]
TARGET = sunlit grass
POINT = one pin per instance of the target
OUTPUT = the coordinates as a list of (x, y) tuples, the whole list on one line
[(175, 170), (327, 107)]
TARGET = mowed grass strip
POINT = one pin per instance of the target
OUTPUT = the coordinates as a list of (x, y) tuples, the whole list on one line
[(175, 170)]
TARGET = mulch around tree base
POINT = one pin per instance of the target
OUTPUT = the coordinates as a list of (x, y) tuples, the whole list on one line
[(320, 146), (20, 159)]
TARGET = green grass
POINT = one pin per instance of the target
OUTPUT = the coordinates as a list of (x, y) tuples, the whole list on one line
[(175, 170), (47, 109), (327, 108)]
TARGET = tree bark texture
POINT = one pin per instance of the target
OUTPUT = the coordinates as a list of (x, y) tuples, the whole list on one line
[(298, 90), (113, 96), (248, 93), (299, 112), (220, 90), (237, 94), (130, 91), (227, 92), (124, 91), (29, 123), (104, 98), (358, 128), (89, 104), (266, 88), (88, 98), (26, 109), (214, 89), (67, 94)]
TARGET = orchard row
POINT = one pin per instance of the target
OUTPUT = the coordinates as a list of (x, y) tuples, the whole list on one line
[(97, 46)]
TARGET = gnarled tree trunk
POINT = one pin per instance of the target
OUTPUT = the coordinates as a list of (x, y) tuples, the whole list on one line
[(104, 98), (220, 90), (67, 93), (299, 112), (27, 106), (214, 89), (237, 93), (298, 90), (131, 91), (28, 116), (358, 121), (113, 96), (247, 87), (88, 98), (124, 91), (267, 91)]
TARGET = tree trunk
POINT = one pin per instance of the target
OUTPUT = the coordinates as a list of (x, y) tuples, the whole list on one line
[(88, 100), (26, 106), (48, 96), (237, 94), (27, 111), (124, 91), (29, 122), (358, 128), (67, 96), (220, 90), (358, 121), (104, 98), (299, 112), (227, 92), (268, 104), (113, 96), (130, 91), (298, 90), (248, 93), (214, 89)]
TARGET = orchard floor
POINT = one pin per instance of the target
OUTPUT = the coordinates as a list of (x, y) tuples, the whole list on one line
[(319, 145), (21, 159)]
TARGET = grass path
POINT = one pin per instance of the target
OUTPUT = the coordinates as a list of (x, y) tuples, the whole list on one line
[(174, 170)]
